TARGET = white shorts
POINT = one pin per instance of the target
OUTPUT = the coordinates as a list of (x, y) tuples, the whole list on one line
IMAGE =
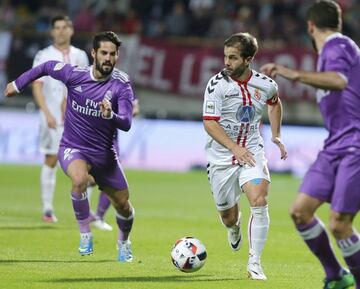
[(226, 181), (50, 139)]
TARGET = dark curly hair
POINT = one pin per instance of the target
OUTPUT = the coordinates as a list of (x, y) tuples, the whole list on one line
[(106, 36)]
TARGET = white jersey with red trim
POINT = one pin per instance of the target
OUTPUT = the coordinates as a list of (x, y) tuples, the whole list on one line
[(238, 108), (54, 91)]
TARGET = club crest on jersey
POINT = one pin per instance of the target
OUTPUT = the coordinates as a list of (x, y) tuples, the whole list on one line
[(245, 114), (257, 94), (59, 66), (108, 95)]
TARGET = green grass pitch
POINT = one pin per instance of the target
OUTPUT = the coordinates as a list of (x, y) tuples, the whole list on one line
[(168, 206)]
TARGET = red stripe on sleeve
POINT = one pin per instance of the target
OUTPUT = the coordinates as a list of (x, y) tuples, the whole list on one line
[(205, 117)]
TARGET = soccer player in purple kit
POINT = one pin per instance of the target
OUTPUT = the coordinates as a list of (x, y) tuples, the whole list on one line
[(99, 102), (335, 175)]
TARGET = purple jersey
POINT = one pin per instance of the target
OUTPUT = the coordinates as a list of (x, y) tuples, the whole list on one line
[(340, 109), (84, 127)]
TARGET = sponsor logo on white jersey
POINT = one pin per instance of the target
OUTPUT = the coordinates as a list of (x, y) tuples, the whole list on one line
[(210, 107)]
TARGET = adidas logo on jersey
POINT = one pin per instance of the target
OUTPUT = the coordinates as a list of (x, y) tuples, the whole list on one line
[(78, 88)]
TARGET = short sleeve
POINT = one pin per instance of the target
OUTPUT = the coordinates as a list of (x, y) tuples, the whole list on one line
[(273, 94), (213, 98), (339, 58)]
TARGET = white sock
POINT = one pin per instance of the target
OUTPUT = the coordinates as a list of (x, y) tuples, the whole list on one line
[(350, 245), (89, 191), (257, 232), (47, 182)]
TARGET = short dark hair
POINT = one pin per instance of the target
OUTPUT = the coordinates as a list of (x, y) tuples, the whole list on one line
[(106, 36), (61, 18), (245, 42), (326, 14)]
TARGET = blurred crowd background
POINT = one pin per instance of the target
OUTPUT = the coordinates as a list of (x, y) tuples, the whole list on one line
[(277, 23), (169, 30)]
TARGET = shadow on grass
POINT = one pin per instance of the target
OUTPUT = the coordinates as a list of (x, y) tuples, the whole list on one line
[(24, 228), (56, 261), (170, 278)]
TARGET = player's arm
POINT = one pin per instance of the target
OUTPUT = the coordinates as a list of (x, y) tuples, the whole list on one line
[(136, 107), (275, 113), (214, 129), (37, 90), (123, 118), (58, 70), (328, 80)]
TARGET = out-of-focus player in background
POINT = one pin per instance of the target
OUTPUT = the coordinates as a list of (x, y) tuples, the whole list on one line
[(50, 94), (233, 105), (335, 175), (99, 102)]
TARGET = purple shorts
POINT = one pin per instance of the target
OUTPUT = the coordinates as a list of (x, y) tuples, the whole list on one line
[(106, 170), (335, 178)]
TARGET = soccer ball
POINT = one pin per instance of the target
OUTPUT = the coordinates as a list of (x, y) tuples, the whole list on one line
[(188, 254)]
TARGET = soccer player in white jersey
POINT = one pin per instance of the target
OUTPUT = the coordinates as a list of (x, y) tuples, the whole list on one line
[(233, 105), (50, 94)]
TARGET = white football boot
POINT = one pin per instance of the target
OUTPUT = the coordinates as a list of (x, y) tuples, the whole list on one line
[(255, 271), (234, 235)]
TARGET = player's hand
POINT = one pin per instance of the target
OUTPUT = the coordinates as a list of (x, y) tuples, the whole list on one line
[(50, 120), (278, 142), (269, 69), (272, 70), (243, 156), (10, 90), (105, 108)]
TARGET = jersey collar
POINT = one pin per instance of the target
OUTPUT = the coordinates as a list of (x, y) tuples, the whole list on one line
[(244, 81), (95, 79)]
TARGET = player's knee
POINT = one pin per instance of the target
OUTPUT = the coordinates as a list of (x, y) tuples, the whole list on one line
[(298, 215), (123, 208), (228, 220), (339, 227), (79, 182), (258, 201)]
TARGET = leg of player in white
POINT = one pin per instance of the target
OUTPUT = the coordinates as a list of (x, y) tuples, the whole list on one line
[(48, 182), (256, 191), (231, 219), (226, 192), (97, 219)]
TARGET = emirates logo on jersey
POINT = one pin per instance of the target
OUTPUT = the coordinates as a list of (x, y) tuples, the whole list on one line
[(245, 114)]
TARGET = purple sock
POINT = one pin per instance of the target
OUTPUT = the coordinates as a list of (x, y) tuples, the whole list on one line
[(125, 225), (82, 211), (350, 249), (316, 238), (104, 204)]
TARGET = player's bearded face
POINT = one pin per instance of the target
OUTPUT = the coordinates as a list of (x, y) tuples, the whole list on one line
[(239, 70), (105, 58), (105, 67), (235, 65)]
